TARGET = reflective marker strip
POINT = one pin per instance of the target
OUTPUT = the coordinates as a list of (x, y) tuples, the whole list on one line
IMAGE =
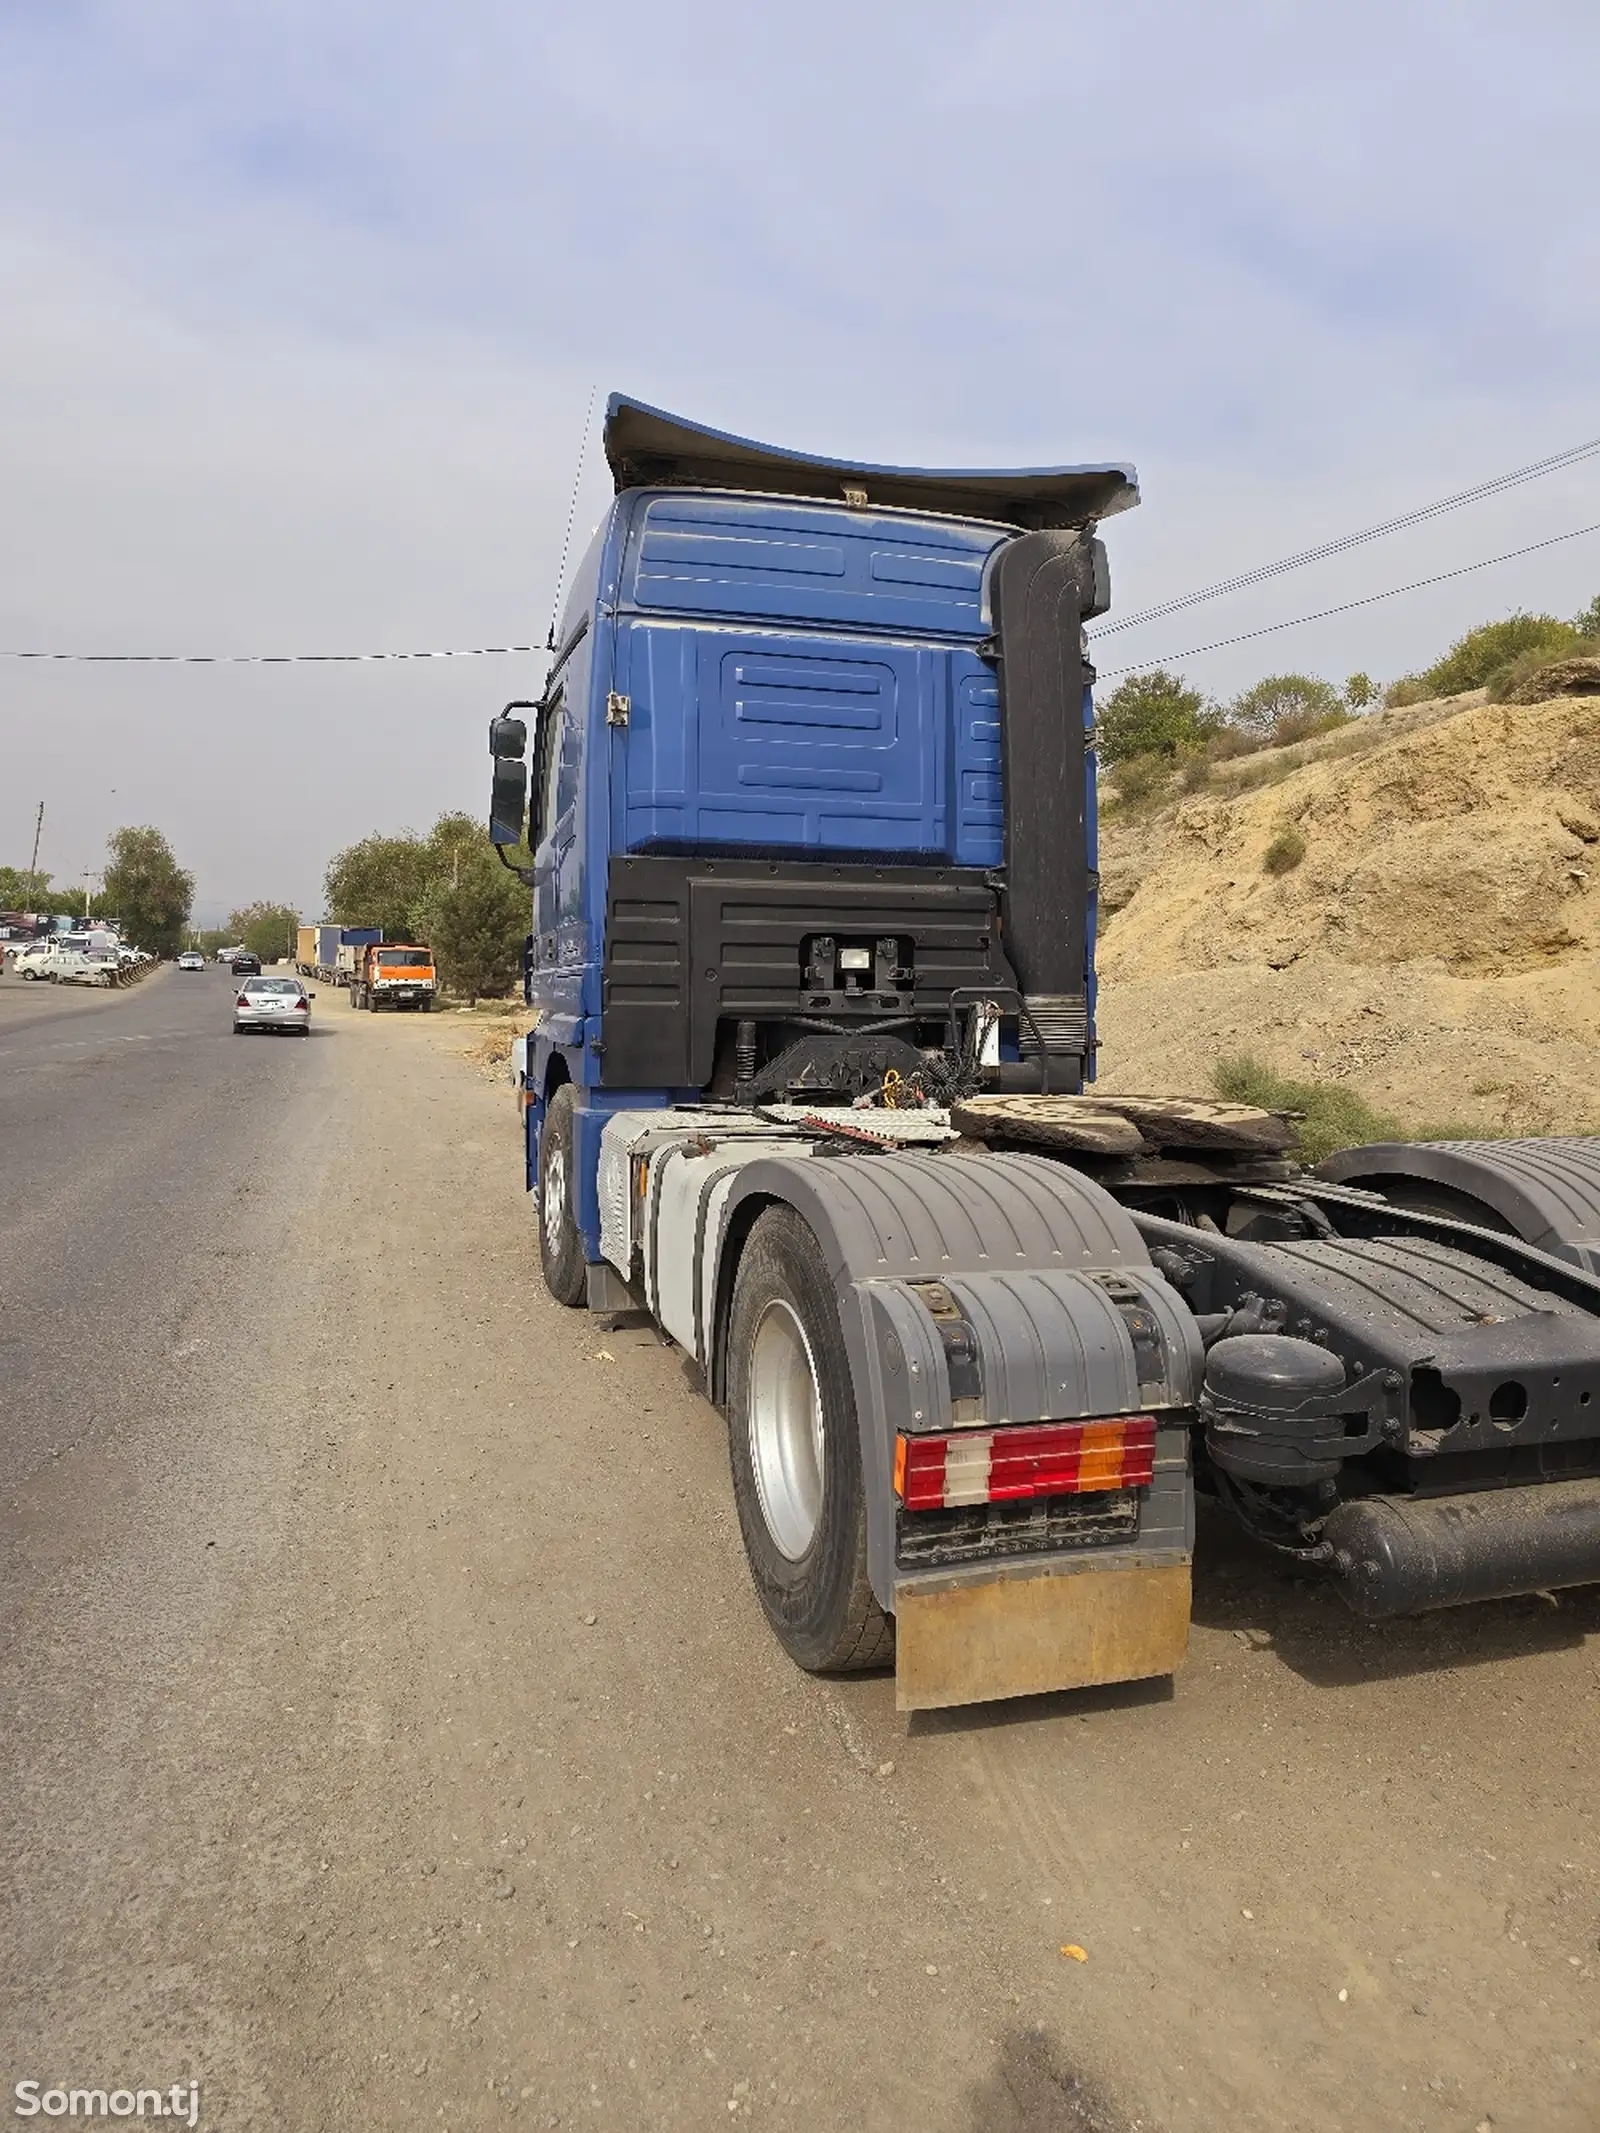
[(1013, 1465)]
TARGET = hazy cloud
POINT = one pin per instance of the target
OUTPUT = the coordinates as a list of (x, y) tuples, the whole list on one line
[(302, 306)]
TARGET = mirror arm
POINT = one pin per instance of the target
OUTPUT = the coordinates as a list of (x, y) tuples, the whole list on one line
[(525, 875)]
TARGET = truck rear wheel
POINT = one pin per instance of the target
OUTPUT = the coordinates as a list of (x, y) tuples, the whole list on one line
[(566, 1274), (795, 1448)]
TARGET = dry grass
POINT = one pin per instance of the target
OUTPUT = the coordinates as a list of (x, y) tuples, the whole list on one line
[(493, 1047), (485, 1033), (1328, 1115)]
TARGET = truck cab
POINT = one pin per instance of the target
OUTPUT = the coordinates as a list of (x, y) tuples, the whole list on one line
[(767, 769), (809, 1080), (392, 974)]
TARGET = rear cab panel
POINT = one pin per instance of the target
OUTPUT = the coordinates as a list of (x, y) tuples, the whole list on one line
[(748, 674), (804, 679)]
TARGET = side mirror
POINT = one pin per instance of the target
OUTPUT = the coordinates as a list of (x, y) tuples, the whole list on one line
[(508, 735), (508, 803)]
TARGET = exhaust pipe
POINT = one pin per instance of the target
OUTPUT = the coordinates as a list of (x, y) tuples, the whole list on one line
[(1044, 587), (1406, 1555)]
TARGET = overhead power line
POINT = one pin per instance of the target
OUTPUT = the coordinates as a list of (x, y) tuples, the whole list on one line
[(1393, 593), (1572, 457)]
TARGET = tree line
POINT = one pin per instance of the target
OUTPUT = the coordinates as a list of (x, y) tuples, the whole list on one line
[(143, 889), (145, 892), (446, 890), (1156, 722)]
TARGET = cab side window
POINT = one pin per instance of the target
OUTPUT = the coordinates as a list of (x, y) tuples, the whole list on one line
[(547, 767)]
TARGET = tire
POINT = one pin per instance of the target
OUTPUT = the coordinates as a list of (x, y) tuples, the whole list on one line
[(802, 1507), (369, 1001), (566, 1275)]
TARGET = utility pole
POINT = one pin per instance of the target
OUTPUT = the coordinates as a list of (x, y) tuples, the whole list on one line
[(33, 864)]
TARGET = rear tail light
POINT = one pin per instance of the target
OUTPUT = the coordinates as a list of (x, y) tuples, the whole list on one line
[(1011, 1465), (243, 1000), (302, 1007)]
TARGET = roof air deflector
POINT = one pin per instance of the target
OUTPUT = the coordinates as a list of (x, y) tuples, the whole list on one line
[(648, 448)]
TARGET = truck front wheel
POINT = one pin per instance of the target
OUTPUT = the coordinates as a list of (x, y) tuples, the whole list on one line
[(566, 1274), (795, 1448)]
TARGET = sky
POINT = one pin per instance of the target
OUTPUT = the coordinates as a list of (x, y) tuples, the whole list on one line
[(302, 305)]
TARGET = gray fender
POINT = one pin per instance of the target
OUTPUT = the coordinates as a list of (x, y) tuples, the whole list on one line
[(1546, 1192), (1071, 1317)]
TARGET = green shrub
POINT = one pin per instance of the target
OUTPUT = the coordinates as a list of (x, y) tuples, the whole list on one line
[(1284, 853), (1409, 689), (1360, 692), (1473, 660), (1152, 714), (1306, 725), (1283, 699), (1588, 623), (1142, 780), (1230, 742), (1504, 679)]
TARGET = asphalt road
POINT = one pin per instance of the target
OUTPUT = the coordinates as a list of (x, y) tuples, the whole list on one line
[(389, 1736), (133, 1123)]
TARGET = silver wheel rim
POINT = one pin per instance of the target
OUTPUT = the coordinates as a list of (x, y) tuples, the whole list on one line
[(555, 1198), (786, 1430)]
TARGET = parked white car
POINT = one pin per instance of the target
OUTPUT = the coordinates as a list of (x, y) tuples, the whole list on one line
[(86, 966), (28, 957)]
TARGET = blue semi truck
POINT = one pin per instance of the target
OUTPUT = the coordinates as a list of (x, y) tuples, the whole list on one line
[(810, 796)]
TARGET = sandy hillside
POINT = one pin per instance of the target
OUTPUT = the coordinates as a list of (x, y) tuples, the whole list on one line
[(1438, 945)]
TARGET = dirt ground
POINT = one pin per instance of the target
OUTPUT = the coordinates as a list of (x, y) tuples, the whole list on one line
[(423, 1758), (1438, 945)]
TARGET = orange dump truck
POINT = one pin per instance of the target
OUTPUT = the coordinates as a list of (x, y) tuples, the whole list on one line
[(390, 974)]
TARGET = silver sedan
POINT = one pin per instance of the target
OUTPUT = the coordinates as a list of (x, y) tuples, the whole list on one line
[(272, 1003)]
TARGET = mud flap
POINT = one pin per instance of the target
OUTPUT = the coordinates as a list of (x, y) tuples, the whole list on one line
[(1064, 1627)]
